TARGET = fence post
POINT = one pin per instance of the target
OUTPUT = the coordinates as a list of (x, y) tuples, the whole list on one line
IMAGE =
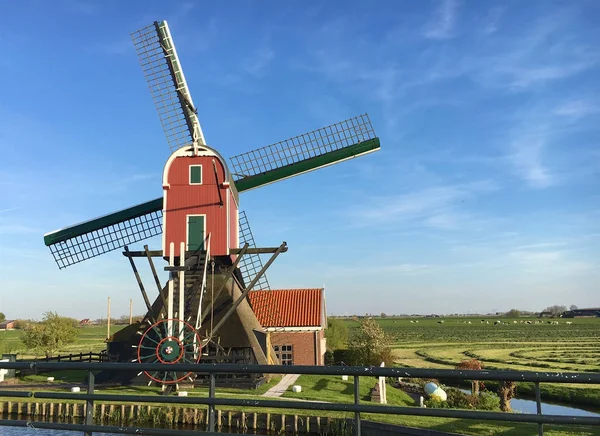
[(538, 401), (211, 407), (89, 403), (356, 401)]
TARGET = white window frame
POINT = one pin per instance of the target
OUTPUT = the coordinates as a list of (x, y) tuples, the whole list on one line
[(201, 174)]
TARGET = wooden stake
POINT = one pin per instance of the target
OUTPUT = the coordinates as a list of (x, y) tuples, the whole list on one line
[(108, 323), (130, 311)]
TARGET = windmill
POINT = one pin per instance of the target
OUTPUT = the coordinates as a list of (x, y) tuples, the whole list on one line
[(213, 263)]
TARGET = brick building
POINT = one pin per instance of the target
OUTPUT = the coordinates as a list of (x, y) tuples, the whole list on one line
[(295, 320), (8, 325)]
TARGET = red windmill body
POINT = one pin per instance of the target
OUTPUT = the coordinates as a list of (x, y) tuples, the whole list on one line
[(200, 199)]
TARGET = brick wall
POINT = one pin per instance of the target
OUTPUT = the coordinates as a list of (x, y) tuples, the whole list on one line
[(303, 346)]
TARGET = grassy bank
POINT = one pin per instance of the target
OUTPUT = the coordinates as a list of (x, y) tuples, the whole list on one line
[(523, 344)]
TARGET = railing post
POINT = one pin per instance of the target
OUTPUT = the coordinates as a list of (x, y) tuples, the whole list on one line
[(89, 403), (211, 407), (538, 401), (356, 402)]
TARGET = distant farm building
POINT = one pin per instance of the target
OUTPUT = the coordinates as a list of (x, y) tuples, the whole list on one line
[(8, 325), (295, 320), (581, 313), (85, 321)]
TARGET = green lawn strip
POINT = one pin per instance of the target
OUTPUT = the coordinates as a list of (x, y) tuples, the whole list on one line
[(335, 390), (64, 376)]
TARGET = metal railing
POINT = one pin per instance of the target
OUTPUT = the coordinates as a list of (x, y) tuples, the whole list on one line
[(74, 357), (356, 407)]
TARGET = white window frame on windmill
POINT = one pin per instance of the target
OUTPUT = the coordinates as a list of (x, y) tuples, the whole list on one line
[(201, 174), (187, 230)]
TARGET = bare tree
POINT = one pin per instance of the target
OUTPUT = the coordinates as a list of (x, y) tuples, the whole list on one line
[(472, 364), (507, 391), (555, 310)]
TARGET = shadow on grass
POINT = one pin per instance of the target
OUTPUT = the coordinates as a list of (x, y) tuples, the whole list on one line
[(321, 384)]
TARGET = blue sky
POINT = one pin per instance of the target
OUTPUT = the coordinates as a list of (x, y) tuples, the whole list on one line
[(483, 197)]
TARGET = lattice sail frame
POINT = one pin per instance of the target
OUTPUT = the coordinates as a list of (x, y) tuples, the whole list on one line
[(250, 265), (168, 87), (300, 148), (106, 239)]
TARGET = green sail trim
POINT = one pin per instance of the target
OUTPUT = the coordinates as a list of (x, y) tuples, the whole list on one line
[(103, 221), (313, 163)]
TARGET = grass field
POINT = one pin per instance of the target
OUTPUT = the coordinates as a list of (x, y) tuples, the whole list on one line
[(89, 338), (510, 345), (513, 344)]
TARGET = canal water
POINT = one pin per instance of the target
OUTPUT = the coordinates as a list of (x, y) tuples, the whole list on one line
[(20, 431), (521, 405)]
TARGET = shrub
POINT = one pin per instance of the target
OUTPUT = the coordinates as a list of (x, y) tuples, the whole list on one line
[(370, 345), (51, 334), (459, 400), (488, 401)]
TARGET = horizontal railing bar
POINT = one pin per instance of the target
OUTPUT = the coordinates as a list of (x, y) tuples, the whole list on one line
[(108, 428), (334, 407), (15, 394), (522, 376)]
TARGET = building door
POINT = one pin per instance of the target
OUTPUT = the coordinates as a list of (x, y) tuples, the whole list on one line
[(195, 232)]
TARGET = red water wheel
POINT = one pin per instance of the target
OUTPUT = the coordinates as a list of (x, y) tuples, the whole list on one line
[(169, 341)]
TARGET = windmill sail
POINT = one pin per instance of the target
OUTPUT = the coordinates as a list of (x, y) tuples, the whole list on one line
[(92, 238), (308, 152), (172, 98), (250, 264), (111, 232)]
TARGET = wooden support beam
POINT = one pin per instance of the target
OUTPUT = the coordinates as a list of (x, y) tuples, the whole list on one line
[(248, 289), (229, 273), (141, 285), (264, 250), (177, 268), (159, 253), (157, 281)]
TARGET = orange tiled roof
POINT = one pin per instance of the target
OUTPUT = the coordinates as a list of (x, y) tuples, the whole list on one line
[(288, 307)]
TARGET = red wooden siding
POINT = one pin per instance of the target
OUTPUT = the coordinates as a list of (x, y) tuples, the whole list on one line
[(183, 199)]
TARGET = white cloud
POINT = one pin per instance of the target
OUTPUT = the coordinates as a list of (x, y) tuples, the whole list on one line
[(260, 60), (548, 262), (541, 245), (491, 21), (10, 209), (527, 157), (434, 207), (443, 23), (444, 221), (577, 108), (398, 269)]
